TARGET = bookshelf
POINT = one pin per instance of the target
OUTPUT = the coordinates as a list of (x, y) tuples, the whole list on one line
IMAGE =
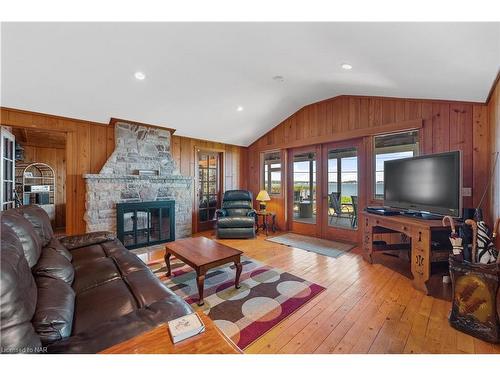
[(35, 184)]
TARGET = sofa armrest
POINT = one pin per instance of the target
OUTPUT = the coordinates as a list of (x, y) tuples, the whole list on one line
[(252, 213), (87, 239), (220, 213)]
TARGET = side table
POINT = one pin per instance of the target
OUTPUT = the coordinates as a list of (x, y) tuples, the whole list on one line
[(266, 225)]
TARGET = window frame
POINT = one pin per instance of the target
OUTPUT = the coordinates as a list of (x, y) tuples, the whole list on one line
[(270, 170), (416, 152)]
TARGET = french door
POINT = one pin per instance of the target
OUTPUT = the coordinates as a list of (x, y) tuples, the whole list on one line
[(342, 190), (209, 188), (325, 190), (7, 171), (304, 189)]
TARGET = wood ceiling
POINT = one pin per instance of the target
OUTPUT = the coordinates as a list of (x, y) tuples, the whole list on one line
[(40, 138)]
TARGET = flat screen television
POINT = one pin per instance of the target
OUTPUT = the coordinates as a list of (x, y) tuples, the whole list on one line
[(428, 183)]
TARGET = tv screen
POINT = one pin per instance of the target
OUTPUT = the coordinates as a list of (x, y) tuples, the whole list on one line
[(429, 183)]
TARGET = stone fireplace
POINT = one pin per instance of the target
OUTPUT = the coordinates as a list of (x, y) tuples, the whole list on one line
[(141, 169)]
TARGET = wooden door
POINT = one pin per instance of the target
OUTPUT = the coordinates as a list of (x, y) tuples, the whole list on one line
[(343, 198), (209, 186), (305, 190)]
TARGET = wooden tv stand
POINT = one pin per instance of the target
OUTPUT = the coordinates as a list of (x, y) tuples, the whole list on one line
[(418, 230)]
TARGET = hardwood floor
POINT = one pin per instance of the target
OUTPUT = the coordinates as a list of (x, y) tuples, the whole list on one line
[(365, 309)]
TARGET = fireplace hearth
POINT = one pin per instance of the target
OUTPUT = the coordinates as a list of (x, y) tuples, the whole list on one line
[(142, 224)]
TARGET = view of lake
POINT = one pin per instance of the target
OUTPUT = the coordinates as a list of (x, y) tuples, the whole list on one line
[(348, 188), (351, 188)]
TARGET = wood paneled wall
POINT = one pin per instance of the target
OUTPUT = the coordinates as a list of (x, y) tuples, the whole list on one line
[(445, 126), (89, 144), (494, 130), (56, 158), (86, 150)]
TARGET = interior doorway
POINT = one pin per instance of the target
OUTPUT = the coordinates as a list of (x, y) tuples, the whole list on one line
[(34, 149)]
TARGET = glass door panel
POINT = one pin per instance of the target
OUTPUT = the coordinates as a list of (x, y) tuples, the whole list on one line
[(343, 188), (304, 187), (129, 228), (7, 165), (208, 188)]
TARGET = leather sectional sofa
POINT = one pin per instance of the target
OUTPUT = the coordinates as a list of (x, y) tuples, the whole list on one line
[(76, 294)]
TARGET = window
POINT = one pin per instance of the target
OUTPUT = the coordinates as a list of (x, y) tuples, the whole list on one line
[(272, 172), (392, 147)]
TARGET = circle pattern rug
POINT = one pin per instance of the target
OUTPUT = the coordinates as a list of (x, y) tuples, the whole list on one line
[(266, 297)]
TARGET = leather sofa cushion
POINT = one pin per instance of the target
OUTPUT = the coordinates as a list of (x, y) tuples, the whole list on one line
[(147, 288), (40, 221), (87, 254), (93, 274), (128, 263), (87, 239), (31, 243), (236, 222), (55, 307), (105, 302), (53, 264), (18, 295), (55, 244)]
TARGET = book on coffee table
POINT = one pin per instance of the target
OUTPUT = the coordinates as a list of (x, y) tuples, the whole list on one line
[(185, 327)]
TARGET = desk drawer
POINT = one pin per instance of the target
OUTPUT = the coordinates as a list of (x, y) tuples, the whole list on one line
[(389, 224)]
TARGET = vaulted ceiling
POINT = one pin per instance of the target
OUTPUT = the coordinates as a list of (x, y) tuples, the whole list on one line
[(198, 74)]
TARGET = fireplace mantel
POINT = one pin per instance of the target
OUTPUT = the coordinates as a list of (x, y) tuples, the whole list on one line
[(134, 177)]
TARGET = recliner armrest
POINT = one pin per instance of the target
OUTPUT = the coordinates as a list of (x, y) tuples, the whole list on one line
[(252, 213), (220, 213), (87, 239)]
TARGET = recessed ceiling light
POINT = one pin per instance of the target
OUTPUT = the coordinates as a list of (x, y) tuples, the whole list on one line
[(239, 108), (278, 78), (139, 75), (346, 66)]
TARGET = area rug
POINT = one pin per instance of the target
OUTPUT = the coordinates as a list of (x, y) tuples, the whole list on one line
[(266, 297), (332, 249)]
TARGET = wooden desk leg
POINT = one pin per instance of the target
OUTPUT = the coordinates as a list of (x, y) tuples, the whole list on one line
[(368, 242), (420, 259), (167, 262), (200, 280), (239, 268)]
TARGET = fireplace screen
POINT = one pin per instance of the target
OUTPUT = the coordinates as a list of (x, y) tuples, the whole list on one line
[(142, 224)]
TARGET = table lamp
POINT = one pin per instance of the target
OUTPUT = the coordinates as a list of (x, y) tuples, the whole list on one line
[(263, 197)]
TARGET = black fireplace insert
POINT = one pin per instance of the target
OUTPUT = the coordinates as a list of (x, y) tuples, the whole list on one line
[(142, 224)]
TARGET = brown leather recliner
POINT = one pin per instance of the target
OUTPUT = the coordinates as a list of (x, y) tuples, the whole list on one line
[(77, 294)]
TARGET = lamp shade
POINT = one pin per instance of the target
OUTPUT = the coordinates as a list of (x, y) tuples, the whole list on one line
[(263, 196)]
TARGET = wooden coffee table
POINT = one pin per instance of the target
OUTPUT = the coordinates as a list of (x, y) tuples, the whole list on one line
[(202, 254)]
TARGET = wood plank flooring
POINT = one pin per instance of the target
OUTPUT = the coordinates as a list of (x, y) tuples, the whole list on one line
[(366, 308)]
